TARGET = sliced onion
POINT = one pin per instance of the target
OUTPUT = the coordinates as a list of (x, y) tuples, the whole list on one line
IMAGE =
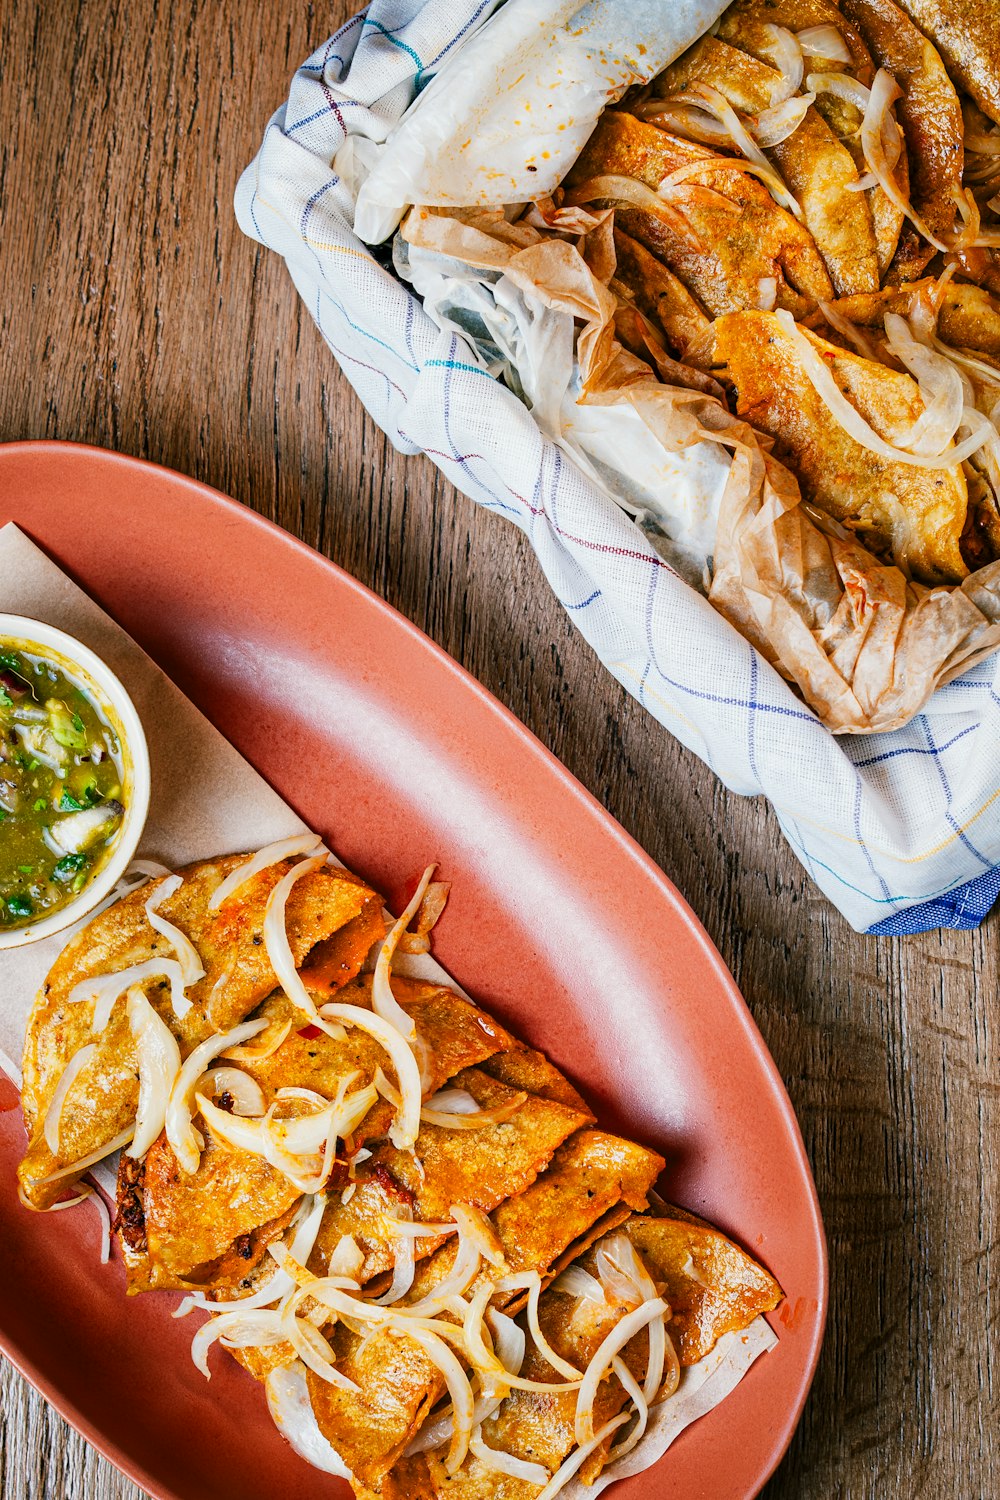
[(884, 93), (104, 989), (785, 52), (159, 1069), (826, 42), (303, 1149), (406, 1125), (940, 384), (622, 1273), (105, 1218), (245, 1092), (186, 1143), (347, 1258), (309, 1344), (822, 381), (631, 1324), (151, 868), (578, 1283), (624, 189), (384, 1001), (850, 331), (721, 107), (240, 1330), (767, 293), (279, 950), (289, 1404), (506, 1463), (270, 1043), (70, 1073), (192, 968), (456, 1109), (77, 1167), (637, 1396), (843, 87), (532, 1281), (273, 854), (474, 1226), (578, 1458), (459, 1389), (461, 1276), (404, 1269), (772, 126)]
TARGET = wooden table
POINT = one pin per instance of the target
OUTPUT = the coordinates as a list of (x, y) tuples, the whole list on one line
[(135, 315)]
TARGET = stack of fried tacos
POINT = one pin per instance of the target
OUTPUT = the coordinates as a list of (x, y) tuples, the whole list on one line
[(404, 1222), (785, 247)]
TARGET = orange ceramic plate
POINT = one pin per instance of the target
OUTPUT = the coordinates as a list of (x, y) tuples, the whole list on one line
[(558, 923)]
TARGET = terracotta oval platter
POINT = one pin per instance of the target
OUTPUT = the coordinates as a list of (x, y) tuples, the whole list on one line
[(558, 923)]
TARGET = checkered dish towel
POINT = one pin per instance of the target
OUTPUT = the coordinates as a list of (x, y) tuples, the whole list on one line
[(900, 830)]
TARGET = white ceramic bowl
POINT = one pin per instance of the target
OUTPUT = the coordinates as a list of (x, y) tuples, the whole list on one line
[(100, 684)]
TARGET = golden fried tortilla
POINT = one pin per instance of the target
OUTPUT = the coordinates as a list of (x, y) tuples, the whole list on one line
[(913, 515), (967, 35), (721, 234), (745, 25), (593, 1183), (931, 118), (103, 1100), (200, 1226), (713, 1286), (525, 1069), (818, 169), (657, 293), (969, 317), (398, 1386), (480, 1167)]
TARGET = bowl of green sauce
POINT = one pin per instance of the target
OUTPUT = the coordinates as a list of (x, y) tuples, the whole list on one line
[(74, 780)]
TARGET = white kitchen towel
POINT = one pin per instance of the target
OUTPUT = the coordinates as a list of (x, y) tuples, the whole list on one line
[(901, 830)]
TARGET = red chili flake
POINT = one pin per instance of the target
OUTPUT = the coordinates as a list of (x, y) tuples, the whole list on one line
[(310, 1033)]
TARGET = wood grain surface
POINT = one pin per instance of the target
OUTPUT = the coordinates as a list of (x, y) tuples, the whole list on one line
[(133, 314)]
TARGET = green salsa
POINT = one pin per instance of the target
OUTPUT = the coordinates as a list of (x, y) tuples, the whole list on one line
[(61, 806)]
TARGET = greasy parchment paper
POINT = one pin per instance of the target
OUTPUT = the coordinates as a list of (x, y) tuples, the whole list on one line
[(208, 800), (865, 646)]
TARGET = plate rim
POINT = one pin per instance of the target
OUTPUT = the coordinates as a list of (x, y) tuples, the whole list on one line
[(244, 515)]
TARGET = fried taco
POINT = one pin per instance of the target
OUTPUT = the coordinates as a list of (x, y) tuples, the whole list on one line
[(400, 1219)]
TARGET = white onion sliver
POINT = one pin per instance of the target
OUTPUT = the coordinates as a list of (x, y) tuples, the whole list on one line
[(120, 1140), (637, 1396), (578, 1458), (578, 1283), (506, 1463), (276, 942), (69, 1075), (104, 989), (406, 1125), (772, 126), (562, 1366), (262, 1053), (826, 42), (786, 54), (459, 1390), (822, 381), (159, 1068), (347, 1258), (612, 1344), (244, 1329), (245, 1092), (289, 1404), (105, 1218), (184, 1140), (842, 87), (192, 968), (273, 854), (384, 1001)]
